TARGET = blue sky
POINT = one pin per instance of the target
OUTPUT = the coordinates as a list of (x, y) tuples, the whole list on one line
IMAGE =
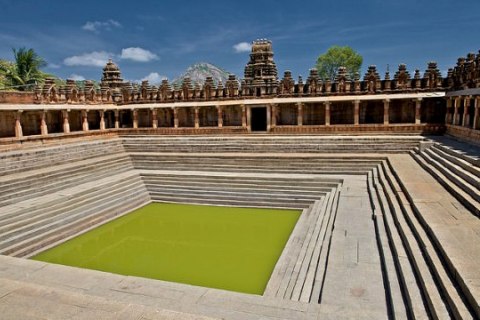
[(155, 39)]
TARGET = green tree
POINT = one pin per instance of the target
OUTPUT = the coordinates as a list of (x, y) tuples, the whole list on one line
[(24, 70), (336, 56)]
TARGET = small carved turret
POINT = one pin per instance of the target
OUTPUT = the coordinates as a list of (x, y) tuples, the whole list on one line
[(112, 75)]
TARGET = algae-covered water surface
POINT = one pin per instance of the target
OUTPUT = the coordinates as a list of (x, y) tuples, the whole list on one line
[(218, 247)]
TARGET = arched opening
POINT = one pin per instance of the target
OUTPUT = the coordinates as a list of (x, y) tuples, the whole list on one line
[(232, 116), (208, 116), (371, 112), (287, 114), (402, 111), (7, 124), (186, 117)]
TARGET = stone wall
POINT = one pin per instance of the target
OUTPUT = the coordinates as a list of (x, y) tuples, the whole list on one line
[(16, 97)]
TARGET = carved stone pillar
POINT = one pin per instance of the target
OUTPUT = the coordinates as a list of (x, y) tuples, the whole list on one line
[(418, 111), (220, 116), (66, 123), (196, 119), (135, 118), (456, 118), (356, 114), (175, 117), (117, 119), (327, 113), (102, 119), (476, 116), (85, 120), (448, 115), (386, 112), (300, 114), (154, 118), (244, 116), (274, 115), (249, 118), (43, 123), (466, 114), (18, 125)]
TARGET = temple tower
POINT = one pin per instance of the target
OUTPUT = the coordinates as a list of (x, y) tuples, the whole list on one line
[(261, 71), (112, 76)]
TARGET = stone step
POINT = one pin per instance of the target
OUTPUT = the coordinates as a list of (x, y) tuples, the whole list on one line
[(59, 177), (30, 219), (460, 175), (214, 168), (312, 286), (408, 272), (303, 201), (54, 200), (234, 189), (455, 158), (244, 203), (446, 287), (299, 250), (466, 199), (475, 161), (389, 261), (61, 170), (290, 253), (50, 187)]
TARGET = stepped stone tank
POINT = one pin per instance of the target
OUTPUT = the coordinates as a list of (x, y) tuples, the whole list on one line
[(390, 216)]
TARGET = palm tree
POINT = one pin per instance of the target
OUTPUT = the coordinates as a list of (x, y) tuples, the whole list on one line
[(25, 70)]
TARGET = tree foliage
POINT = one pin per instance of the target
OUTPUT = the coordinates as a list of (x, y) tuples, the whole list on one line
[(24, 70), (335, 57)]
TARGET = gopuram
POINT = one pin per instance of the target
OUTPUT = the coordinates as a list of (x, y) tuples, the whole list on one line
[(385, 172)]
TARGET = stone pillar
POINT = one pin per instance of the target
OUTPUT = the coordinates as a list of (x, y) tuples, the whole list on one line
[(386, 112), (300, 114), (18, 125), (175, 117), (85, 120), (249, 118), (196, 119), (43, 123), (220, 116), (102, 119), (274, 115), (244, 116), (448, 115), (418, 110), (135, 118), (154, 118), (466, 114), (327, 113), (476, 116), (356, 113), (117, 119), (66, 124), (269, 118), (456, 105)]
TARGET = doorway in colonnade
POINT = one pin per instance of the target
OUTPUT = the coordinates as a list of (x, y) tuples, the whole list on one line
[(259, 118)]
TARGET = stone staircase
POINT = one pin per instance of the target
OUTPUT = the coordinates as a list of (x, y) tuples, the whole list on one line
[(457, 171), (48, 195), (412, 261), (271, 144)]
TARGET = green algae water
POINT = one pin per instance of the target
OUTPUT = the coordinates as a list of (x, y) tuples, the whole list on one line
[(218, 247)]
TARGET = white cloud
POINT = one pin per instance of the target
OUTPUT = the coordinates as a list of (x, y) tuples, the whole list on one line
[(95, 59), (53, 66), (96, 26), (242, 47), (138, 54), (153, 78), (76, 77)]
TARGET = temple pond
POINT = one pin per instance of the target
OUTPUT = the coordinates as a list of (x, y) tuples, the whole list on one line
[(218, 247)]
